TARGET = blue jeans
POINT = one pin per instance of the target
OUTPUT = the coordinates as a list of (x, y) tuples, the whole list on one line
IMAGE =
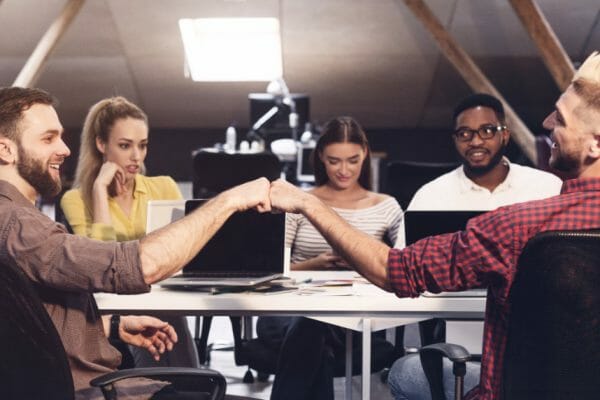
[(408, 381)]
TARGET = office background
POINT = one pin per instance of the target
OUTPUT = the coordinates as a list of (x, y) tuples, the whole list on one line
[(372, 59)]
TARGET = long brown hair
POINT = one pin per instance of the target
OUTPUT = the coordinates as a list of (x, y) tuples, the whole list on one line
[(343, 130)]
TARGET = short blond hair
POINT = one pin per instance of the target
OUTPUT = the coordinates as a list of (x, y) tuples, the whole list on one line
[(586, 81)]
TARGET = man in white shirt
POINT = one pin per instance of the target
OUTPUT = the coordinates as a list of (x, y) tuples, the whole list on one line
[(486, 180)]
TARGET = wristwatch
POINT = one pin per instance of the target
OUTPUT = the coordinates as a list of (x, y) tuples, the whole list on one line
[(115, 322)]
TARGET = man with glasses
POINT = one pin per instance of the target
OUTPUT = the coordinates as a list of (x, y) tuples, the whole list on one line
[(486, 179)]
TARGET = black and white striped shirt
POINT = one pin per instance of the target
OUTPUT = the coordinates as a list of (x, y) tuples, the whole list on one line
[(380, 221)]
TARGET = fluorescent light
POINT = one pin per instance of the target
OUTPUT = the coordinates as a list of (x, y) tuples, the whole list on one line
[(232, 49)]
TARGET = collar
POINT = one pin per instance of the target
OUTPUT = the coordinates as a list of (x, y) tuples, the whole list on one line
[(140, 185), (9, 191), (580, 185), (466, 184)]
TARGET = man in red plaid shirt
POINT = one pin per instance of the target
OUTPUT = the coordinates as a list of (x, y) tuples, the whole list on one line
[(485, 254)]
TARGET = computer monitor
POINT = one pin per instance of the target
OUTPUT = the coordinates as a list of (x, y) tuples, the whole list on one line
[(305, 171)]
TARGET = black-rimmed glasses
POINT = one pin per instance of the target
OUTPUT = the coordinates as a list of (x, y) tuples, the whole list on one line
[(485, 132)]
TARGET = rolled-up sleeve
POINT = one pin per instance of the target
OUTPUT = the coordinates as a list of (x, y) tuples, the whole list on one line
[(482, 254), (52, 257), (398, 275)]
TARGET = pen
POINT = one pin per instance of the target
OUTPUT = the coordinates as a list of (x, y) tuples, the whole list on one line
[(307, 280)]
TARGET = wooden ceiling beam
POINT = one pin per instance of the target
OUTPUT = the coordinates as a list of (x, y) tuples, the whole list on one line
[(556, 59), (471, 73), (32, 69)]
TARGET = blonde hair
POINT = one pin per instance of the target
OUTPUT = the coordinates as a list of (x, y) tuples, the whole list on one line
[(99, 121), (586, 81)]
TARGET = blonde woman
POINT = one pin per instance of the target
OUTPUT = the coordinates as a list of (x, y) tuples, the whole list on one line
[(110, 195)]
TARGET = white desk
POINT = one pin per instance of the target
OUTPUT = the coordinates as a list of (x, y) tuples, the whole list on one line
[(369, 309)]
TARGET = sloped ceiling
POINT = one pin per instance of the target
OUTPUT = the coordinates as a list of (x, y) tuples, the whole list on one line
[(367, 58)]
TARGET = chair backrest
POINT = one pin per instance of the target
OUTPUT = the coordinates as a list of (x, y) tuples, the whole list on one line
[(553, 343), (33, 364), (404, 178), (215, 172)]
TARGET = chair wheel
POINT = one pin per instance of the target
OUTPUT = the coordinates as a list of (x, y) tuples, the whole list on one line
[(248, 377), (262, 377)]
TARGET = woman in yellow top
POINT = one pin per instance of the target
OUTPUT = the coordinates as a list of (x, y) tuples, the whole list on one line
[(110, 195)]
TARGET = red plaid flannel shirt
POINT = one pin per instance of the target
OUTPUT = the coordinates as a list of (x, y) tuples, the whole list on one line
[(485, 254)]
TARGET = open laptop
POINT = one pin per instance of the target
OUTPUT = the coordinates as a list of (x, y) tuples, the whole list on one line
[(247, 251), (422, 224)]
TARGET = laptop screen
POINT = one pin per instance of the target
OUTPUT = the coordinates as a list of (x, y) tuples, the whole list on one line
[(422, 224), (162, 212), (248, 242)]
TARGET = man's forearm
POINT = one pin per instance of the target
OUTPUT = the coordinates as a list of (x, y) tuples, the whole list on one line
[(365, 254), (166, 250)]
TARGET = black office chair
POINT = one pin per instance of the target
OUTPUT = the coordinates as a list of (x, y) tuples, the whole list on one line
[(403, 178), (214, 172), (34, 364), (553, 342)]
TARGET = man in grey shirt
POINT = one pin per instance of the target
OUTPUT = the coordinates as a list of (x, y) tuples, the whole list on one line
[(67, 268)]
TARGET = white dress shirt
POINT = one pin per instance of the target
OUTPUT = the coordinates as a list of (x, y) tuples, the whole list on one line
[(455, 191)]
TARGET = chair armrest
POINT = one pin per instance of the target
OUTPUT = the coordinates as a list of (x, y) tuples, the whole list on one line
[(431, 360), (205, 376), (453, 352)]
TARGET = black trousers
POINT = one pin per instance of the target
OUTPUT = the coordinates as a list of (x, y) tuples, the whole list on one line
[(313, 353)]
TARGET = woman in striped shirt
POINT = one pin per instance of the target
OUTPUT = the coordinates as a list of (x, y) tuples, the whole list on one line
[(311, 349)]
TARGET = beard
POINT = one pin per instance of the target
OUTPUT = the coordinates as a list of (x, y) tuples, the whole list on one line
[(36, 174), (565, 163), (476, 170)]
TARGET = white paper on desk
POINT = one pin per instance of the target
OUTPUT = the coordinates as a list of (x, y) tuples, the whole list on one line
[(324, 292), (322, 283)]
